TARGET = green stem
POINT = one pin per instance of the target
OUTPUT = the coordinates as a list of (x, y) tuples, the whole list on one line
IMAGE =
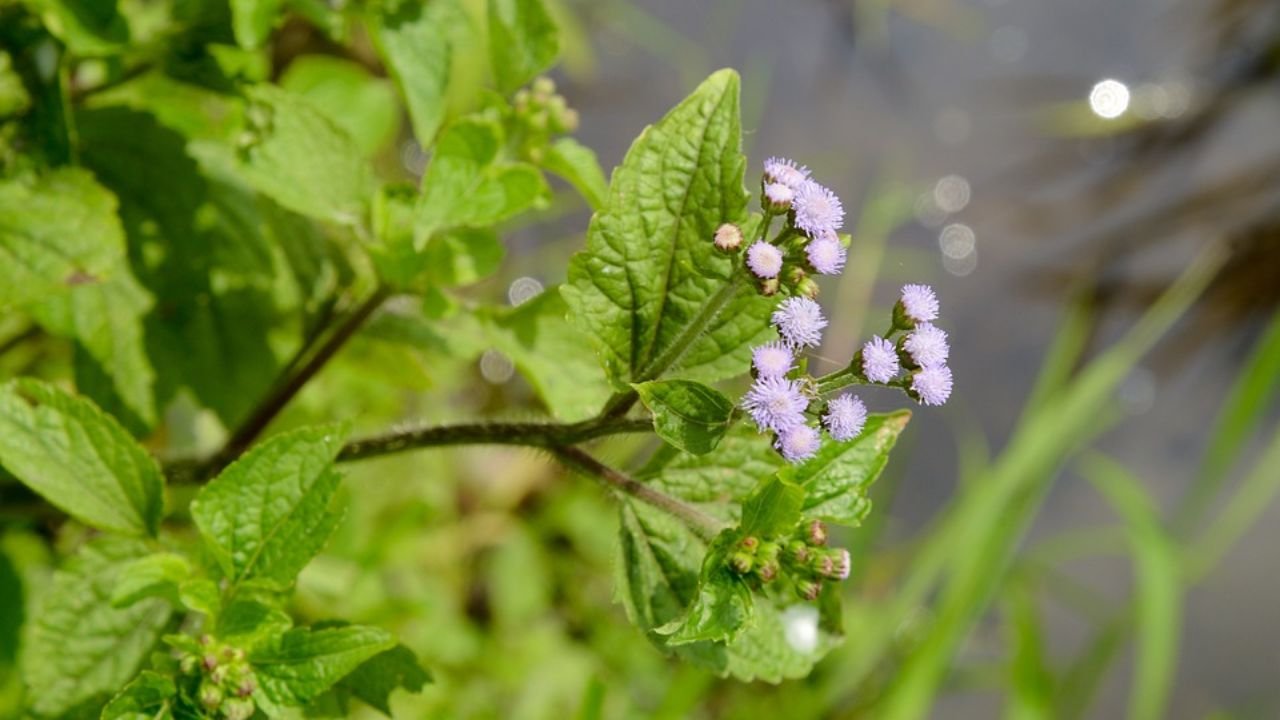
[(702, 524), (532, 434)]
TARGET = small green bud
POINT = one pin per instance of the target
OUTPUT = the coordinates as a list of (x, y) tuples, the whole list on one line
[(246, 687), (808, 288), (769, 287), (569, 120), (750, 543), (238, 709), (209, 662), (808, 589), (219, 674), (544, 86), (189, 664), (795, 275), (210, 695), (799, 552), (768, 551), (817, 533), (768, 571), (741, 562)]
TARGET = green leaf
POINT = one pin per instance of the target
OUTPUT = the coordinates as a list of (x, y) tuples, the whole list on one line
[(577, 164), (773, 510), (837, 479), (1030, 678), (156, 575), (722, 605), (467, 184), (56, 232), (650, 289), (78, 458), (87, 27), (303, 663), (301, 159), (523, 41), (251, 20), (417, 46), (462, 257), (1158, 587), (356, 101), (201, 595), (730, 472), (14, 98), (657, 579), (249, 623), (689, 415), (546, 350), (375, 678), (147, 697), (79, 650), (271, 511)]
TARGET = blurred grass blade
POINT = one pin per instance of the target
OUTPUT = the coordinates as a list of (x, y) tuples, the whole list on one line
[(1250, 396), (1079, 684), (1030, 682), (984, 527), (1244, 508), (1157, 608), (1064, 354)]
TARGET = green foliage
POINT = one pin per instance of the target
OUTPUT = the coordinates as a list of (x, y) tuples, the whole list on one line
[(653, 236), (689, 415), (272, 510), (78, 458), (523, 41), (836, 480), (79, 650), (300, 664)]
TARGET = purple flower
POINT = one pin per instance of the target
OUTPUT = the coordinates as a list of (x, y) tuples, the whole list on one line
[(927, 345), (776, 404), (835, 565), (778, 196), (879, 360), (799, 320), (772, 360), (798, 443), (826, 253), (919, 303), (846, 415), (817, 209), (932, 385), (785, 172), (764, 259)]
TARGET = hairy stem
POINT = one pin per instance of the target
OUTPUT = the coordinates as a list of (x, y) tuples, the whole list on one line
[(533, 434), (292, 384), (702, 524)]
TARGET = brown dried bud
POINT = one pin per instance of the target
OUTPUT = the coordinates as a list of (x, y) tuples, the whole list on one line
[(728, 238)]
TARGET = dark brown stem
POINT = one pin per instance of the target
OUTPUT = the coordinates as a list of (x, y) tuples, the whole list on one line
[(292, 384), (533, 434), (702, 524)]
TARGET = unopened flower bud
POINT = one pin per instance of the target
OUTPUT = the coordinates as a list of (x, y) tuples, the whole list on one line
[(219, 674), (768, 551), (544, 86), (768, 571), (189, 664), (206, 640), (569, 120), (808, 288), (741, 562), (778, 197), (210, 695), (246, 687), (795, 274), (799, 552), (238, 709), (728, 238), (209, 661), (817, 533), (750, 543), (809, 589), (769, 288)]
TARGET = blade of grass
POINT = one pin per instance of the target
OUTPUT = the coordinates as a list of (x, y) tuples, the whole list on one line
[(990, 520), (1250, 396), (1080, 683), (1029, 680), (1157, 603)]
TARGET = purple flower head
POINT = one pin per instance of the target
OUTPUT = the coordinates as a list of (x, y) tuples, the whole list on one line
[(785, 172), (919, 303), (932, 385), (826, 253), (836, 565), (799, 320), (846, 415), (879, 360), (927, 345), (778, 196), (764, 259), (798, 443), (775, 403), (772, 360), (817, 209)]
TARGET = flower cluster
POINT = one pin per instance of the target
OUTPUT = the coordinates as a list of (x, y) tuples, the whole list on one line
[(784, 400), (801, 559), (220, 675)]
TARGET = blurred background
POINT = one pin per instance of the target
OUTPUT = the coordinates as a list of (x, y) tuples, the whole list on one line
[(1051, 168)]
